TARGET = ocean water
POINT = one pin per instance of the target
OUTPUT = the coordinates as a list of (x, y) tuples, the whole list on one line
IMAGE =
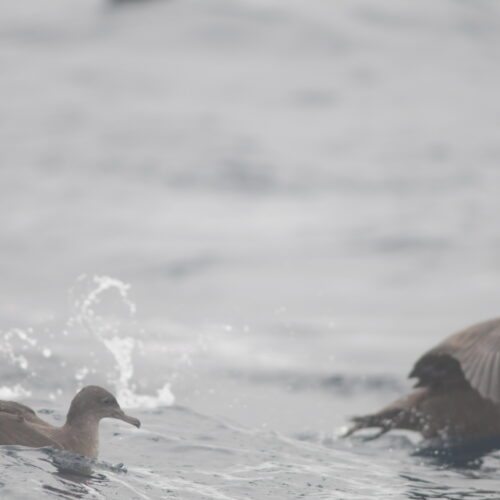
[(247, 219)]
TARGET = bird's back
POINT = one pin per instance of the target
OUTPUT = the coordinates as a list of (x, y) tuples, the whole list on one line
[(16, 430)]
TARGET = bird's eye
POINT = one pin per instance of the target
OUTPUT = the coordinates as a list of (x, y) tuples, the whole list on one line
[(107, 401)]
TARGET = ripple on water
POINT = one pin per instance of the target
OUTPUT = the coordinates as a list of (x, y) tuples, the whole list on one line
[(237, 463)]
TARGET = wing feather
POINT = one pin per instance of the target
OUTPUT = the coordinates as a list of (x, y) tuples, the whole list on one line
[(477, 350), (16, 430)]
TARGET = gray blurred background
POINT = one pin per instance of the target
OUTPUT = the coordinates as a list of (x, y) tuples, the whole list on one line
[(329, 165)]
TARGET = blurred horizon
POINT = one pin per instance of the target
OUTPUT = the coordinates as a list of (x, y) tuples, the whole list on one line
[(234, 159)]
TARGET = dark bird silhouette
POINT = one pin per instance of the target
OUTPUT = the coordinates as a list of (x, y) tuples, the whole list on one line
[(20, 425), (457, 394)]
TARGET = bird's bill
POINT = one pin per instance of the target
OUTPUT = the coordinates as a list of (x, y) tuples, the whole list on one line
[(121, 415)]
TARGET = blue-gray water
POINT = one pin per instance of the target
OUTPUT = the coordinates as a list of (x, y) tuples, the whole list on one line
[(302, 196)]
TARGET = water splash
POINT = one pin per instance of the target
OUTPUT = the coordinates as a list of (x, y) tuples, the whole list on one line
[(99, 343), (111, 330), (16, 392), (13, 343), (16, 347)]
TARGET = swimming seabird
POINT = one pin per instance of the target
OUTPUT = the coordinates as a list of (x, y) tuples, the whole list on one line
[(19, 424), (457, 394)]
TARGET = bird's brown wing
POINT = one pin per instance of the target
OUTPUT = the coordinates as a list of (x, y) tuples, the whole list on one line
[(22, 411), (469, 357), (14, 429)]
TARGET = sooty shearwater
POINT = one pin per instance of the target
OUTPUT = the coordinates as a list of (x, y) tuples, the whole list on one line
[(457, 394), (20, 425)]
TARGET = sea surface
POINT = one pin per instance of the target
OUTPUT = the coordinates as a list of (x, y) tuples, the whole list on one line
[(247, 219)]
